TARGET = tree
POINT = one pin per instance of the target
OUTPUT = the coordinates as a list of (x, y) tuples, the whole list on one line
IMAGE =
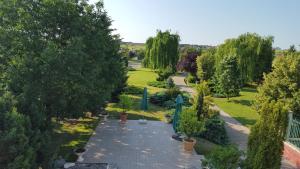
[(15, 151), (162, 50), (188, 63), (276, 96), (254, 54), (206, 65), (292, 49), (227, 77), (266, 138), (60, 59)]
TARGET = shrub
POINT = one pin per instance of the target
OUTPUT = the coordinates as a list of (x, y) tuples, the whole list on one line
[(170, 83), (223, 158), (191, 79), (159, 84), (164, 74), (189, 123), (173, 92), (125, 102), (131, 69), (133, 90), (167, 98), (215, 131), (169, 104)]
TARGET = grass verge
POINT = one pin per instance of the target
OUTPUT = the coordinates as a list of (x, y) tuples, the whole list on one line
[(241, 107)]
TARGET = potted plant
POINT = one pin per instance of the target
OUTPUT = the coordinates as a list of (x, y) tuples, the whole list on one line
[(189, 125), (126, 104)]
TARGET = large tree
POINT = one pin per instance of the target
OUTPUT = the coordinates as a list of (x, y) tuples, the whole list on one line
[(227, 77), (59, 59), (162, 51), (206, 65), (254, 54), (279, 94)]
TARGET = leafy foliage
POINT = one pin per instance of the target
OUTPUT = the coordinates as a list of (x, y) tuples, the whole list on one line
[(60, 59), (265, 142), (125, 102), (165, 73), (227, 77), (254, 54), (188, 63), (162, 51), (223, 158), (278, 94), (206, 65), (189, 124), (159, 84), (215, 130)]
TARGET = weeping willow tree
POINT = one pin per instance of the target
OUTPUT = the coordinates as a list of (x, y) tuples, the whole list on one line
[(255, 55), (162, 51)]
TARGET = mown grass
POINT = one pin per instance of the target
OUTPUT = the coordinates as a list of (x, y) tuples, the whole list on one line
[(69, 135), (241, 107), (138, 79)]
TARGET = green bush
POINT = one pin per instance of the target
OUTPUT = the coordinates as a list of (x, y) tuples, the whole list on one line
[(170, 83), (167, 98), (164, 74), (159, 84), (169, 104), (133, 90), (191, 79), (189, 123), (223, 158), (173, 92), (125, 102), (215, 131)]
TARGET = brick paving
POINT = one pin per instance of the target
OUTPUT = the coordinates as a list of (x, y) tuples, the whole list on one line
[(138, 146)]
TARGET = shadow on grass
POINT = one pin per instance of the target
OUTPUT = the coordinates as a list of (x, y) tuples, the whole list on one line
[(242, 102), (131, 116), (246, 121), (68, 137), (249, 89)]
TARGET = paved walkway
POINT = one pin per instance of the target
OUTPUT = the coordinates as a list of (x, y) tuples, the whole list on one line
[(138, 146), (237, 133)]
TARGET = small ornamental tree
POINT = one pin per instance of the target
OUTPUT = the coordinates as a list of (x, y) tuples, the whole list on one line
[(279, 94), (206, 65), (227, 76), (189, 123), (125, 102), (188, 63), (265, 142)]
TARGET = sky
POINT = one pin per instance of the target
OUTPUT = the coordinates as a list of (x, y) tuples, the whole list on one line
[(207, 22)]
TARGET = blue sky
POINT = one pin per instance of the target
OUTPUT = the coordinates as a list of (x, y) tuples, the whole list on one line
[(207, 22)]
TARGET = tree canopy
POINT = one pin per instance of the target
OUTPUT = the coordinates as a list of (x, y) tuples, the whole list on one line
[(58, 59), (276, 96), (162, 51), (254, 54)]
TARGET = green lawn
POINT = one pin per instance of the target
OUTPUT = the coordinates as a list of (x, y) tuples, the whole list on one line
[(139, 80), (70, 135), (240, 107)]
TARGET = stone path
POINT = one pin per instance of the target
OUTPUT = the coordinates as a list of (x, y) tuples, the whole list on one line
[(237, 133), (138, 146)]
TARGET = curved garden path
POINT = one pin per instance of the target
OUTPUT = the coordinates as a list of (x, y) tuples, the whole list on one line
[(237, 133)]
